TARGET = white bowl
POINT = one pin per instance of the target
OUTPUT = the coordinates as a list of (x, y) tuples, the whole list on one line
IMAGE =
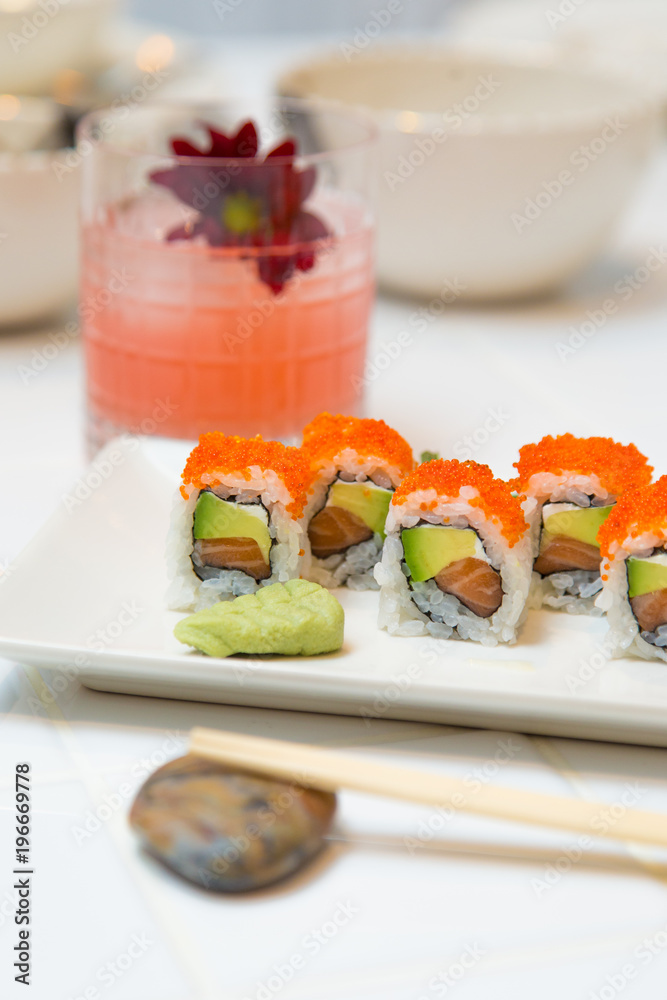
[(605, 33), (38, 236), (41, 38), (497, 178)]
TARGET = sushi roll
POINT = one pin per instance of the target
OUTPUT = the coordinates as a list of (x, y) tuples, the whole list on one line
[(237, 524), (571, 485), (457, 559), (356, 465), (633, 544)]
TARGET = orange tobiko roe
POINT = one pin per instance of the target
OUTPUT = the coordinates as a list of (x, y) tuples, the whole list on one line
[(327, 435), (618, 466), (638, 511), (447, 476), (217, 455)]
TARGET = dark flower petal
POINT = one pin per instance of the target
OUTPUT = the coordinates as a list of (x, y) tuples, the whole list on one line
[(175, 180), (221, 145), (243, 144), (275, 271), (307, 228), (246, 140), (187, 183), (182, 147), (250, 178), (286, 148), (275, 191), (212, 230), (307, 179)]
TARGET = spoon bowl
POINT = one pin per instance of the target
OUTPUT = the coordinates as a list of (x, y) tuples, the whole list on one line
[(229, 830)]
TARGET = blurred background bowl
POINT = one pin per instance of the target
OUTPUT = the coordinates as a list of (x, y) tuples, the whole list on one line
[(75, 55), (38, 210), (38, 236), (40, 39), (472, 145)]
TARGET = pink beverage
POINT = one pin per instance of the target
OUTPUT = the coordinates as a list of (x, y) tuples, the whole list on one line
[(193, 340), (182, 337)]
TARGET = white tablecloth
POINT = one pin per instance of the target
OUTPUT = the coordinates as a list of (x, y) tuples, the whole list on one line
[(415, 918)]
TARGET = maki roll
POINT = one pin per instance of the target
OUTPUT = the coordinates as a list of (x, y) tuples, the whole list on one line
[(633, 544), (237, 522), (571, 485), (356, 465), (457, 559)]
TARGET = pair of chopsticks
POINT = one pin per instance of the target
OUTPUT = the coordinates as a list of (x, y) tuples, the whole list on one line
[(313, 767)]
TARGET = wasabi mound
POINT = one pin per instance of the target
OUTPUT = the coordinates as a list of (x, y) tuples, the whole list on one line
[(296, 618)]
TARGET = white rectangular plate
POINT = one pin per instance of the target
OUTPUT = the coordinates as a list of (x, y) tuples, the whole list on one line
[(87, 596)]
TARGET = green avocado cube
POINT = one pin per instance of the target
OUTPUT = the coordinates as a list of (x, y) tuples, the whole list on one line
[(646, 575), (297, 618), (216, 518), (430, 547), (370, 503), (582, 523)]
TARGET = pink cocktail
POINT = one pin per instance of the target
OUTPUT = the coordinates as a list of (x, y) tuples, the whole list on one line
[(182, 335)]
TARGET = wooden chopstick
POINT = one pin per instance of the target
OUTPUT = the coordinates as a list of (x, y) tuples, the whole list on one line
[(314, 767)]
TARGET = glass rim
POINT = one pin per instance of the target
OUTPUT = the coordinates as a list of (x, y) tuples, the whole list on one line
[(349, 112)]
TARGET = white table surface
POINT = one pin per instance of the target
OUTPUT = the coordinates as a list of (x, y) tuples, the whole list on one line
[(546, 927)]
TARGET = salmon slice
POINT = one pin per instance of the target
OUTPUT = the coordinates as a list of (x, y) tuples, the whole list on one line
[(562, 554), (650, 610), (234, 553), (475, 583), (334, 529)]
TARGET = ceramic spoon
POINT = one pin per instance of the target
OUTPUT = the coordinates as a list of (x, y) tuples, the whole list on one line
[(240, 812)]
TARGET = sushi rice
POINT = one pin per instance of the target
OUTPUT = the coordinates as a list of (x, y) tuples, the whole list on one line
[(573, 591), (405, 611), (187, 592), (637, 529), (350, 450), (354, 567), (578, 473), (625, 635)]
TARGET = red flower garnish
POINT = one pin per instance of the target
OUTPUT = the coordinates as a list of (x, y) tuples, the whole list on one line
[(258, 204)]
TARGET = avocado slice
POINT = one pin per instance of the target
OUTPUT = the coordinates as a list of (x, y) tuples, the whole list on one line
[(370, 503), (581, 523), (647, 575), (216, 518), (430, 547)]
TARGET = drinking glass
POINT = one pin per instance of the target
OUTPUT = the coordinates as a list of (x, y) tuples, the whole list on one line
[(224, 292)]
